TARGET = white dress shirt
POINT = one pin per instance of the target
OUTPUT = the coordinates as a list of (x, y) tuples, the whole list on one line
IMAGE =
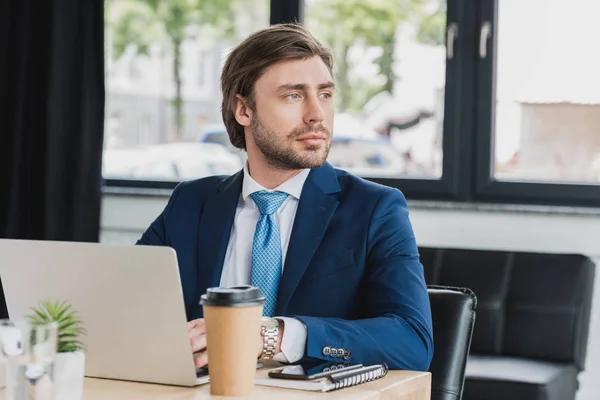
[(237, 268)]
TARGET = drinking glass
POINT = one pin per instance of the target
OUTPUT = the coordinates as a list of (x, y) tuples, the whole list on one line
[(27, 353)]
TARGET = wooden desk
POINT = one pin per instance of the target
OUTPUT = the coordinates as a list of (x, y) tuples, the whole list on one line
[(397, 385)]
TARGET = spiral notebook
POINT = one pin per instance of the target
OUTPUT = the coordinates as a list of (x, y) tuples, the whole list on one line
[(332, 381)]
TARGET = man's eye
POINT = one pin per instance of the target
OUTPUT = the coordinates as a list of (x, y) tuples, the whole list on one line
[(326, 95)]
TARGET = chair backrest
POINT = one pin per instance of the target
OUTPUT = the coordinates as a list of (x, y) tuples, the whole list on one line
[(453, 315), (531, 305)]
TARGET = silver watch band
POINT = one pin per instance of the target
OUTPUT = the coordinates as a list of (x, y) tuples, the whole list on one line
[(269, 342)]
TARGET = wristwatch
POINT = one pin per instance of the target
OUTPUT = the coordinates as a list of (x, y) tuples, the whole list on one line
[(269, 329)]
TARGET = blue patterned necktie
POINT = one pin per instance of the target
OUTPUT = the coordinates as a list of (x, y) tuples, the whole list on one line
[(266, 248)]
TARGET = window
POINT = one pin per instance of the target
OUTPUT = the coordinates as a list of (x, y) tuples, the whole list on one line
[(162, 65), (205, 62), (389, 71), (494, 101), (538, 103), (547, 124)]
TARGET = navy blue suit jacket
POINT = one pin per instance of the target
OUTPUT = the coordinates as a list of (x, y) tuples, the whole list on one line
[(352, 273)]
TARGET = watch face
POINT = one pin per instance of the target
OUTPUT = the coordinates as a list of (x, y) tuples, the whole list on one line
[(269, 323)]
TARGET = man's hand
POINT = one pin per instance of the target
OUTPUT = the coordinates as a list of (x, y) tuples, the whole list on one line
[(197, 333)]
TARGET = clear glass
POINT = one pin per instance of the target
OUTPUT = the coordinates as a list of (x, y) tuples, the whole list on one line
[(28, 353), (163, 98), (390, 66), (548, 92)]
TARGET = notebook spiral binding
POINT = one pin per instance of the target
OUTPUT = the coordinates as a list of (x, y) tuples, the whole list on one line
[(362, 378)]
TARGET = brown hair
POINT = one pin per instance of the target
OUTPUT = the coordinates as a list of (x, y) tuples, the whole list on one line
[(250, 59)]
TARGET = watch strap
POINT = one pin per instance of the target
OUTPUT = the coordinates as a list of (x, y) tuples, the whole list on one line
[(269, 342)]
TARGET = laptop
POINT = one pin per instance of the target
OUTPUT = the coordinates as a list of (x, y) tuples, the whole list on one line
[(128, 297)]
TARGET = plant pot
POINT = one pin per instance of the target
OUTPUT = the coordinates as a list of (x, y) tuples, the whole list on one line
[(69, 369)]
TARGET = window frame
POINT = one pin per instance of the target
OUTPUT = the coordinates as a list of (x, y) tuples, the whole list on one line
[(448, 186), (286, 11), (487, 188)]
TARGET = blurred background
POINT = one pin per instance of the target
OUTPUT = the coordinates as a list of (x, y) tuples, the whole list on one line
[(163, 68), (163, 62)]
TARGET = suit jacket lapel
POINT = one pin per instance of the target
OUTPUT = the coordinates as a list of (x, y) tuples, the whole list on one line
[(315, 209), (214, 231)]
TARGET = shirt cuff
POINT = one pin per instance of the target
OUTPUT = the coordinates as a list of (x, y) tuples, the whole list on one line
[(293, 343)]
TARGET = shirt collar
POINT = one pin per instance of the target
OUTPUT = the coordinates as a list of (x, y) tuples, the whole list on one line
[(292, 186)]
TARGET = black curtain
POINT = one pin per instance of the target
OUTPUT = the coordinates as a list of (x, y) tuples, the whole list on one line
[(51, 119)]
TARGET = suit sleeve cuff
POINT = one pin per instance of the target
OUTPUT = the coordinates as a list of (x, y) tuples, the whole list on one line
[(293, 343)]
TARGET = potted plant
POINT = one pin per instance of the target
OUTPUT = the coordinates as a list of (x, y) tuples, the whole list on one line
[(69, 366)]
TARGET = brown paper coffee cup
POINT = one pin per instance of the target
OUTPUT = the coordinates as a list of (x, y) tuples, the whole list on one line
[(232, 317)]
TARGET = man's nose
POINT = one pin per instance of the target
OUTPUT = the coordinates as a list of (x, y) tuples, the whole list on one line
[(314, 112)]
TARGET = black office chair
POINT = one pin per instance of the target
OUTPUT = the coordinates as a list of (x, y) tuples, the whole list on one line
[(453, 315)]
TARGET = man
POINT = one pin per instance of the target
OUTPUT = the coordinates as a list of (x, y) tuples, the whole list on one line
[(334, 255)]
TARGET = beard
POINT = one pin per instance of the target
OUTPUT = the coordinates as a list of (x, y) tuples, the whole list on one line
[(279, 151)]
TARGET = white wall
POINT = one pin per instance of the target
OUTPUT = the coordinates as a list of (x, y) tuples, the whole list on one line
[(124, 218)]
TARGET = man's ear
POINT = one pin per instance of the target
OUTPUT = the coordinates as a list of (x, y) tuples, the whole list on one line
[(243, 113)]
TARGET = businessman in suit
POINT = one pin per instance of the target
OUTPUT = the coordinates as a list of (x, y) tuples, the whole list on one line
[(334, 255)]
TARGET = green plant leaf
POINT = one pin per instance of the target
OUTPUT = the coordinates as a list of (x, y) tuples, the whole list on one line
[(70, 346), (60, 312), (39, 314), (68, 335), (69, 326)]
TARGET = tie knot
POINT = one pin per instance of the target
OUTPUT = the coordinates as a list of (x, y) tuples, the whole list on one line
[(268, 202)]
